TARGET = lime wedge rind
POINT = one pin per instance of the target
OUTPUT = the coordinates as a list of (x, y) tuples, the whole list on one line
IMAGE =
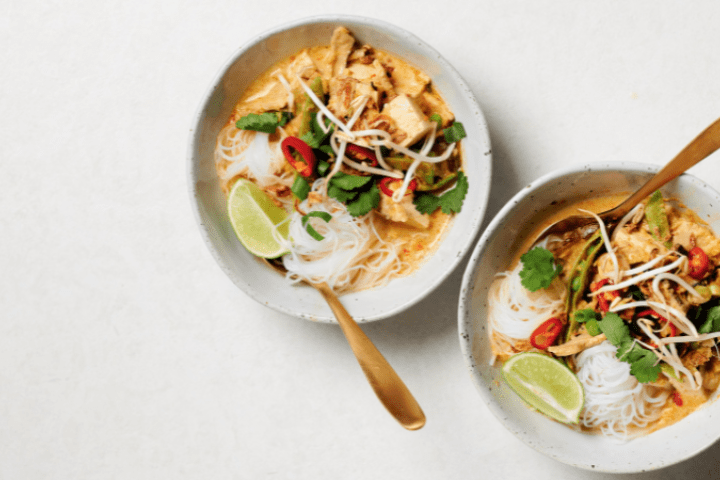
[(258, 223), (546, 385)]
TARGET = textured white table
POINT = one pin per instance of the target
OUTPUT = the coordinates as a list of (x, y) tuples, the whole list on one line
[(125, 353)]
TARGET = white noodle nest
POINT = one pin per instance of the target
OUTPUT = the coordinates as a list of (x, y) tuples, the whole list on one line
[(615, 402), (246, 153), (350, 256), (514, 311)]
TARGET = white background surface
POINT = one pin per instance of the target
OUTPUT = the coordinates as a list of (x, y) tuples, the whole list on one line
[(124, 350)]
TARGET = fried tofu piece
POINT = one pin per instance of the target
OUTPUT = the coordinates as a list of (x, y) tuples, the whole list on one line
[(430, 104), (406, 79), (372, 73), (409, 119), (341, 44), (344, 92)]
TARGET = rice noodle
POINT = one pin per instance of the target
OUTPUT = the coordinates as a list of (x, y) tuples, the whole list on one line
[(351, 255), (514, 311), (246, 153), (615, 402)]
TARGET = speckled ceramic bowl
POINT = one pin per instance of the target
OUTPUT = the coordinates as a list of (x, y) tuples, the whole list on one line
[(660, 449), (265, 285)]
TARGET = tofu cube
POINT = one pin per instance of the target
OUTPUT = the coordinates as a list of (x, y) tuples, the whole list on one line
[(409, 119)]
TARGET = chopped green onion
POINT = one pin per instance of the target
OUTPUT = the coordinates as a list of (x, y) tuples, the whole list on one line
[(310, 230)]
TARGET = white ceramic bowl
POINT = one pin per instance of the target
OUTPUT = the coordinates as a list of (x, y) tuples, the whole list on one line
[(660, 449), (259, 281)]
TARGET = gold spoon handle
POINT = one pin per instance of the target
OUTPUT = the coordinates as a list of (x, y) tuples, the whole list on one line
[(702, 146), (388, 386)]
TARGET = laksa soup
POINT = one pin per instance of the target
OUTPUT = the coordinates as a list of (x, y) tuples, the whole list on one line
[(633, 312), (358, 156)]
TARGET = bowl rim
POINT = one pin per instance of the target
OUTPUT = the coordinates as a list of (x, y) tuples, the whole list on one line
[(468, 96), (468, 284)]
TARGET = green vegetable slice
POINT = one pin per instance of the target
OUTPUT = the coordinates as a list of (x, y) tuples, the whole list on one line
[(657, 219), (309, 228), (264, 122), (578, 279)]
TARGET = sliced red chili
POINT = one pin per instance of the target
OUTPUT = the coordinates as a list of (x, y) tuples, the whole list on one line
[(384, 185), (698, 262), (362, 153), (304, 166), (677, 399), (546, 333), (652, 313), (605, 298)]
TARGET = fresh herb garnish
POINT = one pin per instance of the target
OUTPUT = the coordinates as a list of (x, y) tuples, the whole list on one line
[(309, 228), (300, 187), (265, 122), (358, 193), (712, 322), (449, 202), (539, 269), (435, 117), (365, 201), (454, 133), (643, 363)]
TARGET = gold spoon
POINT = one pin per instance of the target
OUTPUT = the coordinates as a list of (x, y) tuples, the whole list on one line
[(386, 383), (388, 386), (700, 148)]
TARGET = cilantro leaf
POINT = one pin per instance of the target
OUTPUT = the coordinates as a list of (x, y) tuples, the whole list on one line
[(265, 122), (449, 202), (435, 117), (426, 203), (349, 182), (365, 201), (712, 324), (341, 195), (539, 269), (454, 133), (615, 329), (358, 193), (643, 363)]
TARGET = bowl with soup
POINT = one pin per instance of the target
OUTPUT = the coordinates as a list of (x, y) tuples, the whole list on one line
[(369, 148), (627, 314)]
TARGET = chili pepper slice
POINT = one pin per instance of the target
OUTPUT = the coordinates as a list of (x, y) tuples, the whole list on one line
[(362, 153), (652, 313), (698, 262), (546, 333), (305, 166), (605, 298), (384, 185), (677, 399)]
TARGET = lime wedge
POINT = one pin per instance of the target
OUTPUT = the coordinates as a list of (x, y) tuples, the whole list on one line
[(255, 218), (546, 385)]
